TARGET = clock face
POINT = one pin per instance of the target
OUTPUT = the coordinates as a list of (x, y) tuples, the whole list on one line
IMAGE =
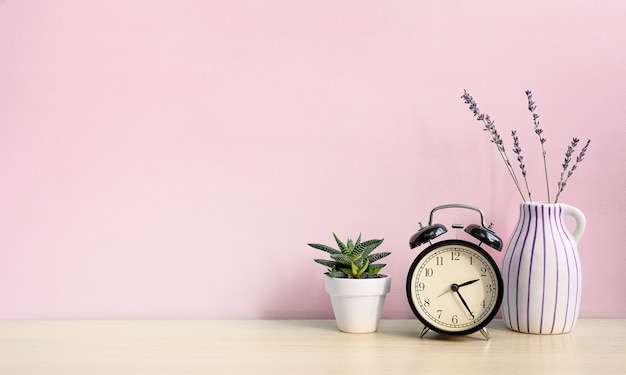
[(454, 287)]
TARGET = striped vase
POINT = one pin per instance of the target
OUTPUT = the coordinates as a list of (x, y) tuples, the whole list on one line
[(541, 270)]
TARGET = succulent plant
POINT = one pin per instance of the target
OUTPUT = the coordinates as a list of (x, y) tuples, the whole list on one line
[(352, 260)]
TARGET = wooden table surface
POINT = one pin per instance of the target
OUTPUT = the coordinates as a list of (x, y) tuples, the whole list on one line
[(596, 346)]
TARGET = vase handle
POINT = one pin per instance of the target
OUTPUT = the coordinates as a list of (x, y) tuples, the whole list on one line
[(579, 217)]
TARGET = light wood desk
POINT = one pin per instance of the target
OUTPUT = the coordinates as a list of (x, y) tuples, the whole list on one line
[(300, 347)]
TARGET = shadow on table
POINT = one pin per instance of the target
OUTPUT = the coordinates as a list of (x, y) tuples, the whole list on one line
[(316, 324), (393, 328), (401, 328)]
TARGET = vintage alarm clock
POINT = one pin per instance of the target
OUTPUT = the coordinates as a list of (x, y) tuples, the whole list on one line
[(454, 286)]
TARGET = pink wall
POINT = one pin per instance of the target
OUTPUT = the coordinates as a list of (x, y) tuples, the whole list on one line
[(171, 159)]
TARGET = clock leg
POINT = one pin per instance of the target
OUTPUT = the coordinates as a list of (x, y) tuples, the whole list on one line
[(423, 332), (485, 333)]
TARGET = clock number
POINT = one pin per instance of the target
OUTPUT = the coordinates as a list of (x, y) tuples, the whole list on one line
[(429, 272), (455, 255), (455, 319), (471, 260), (440, 261), (483, 304), (489, 288), (483, 271), (426, 302), (439, 314), (421, 287)]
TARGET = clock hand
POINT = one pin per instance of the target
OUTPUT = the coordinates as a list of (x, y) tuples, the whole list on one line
[(465, 303), (468, 283), (455, 287)]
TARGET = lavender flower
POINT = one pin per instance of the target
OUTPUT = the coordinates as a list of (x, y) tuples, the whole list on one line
[(520, 159), (568, 158), (497, 140), (495, 136), (538, 131)]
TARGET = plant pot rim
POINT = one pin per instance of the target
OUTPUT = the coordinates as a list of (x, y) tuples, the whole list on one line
[(383, 276)]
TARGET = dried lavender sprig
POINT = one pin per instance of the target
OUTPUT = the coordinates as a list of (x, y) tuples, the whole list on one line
[(518, 151), (495, 137), (538, 131), (568, 157)]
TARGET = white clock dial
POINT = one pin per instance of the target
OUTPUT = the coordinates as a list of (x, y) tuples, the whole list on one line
[(454, 287)]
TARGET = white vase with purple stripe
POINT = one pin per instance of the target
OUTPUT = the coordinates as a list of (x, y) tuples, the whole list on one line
[(541, 270)]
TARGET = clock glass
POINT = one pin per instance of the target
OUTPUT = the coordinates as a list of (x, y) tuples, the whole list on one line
[(454, 287)]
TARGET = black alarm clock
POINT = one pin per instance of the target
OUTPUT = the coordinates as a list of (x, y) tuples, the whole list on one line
[(454, 286)]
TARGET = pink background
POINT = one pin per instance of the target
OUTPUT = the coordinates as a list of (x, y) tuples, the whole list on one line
[(171, 159)]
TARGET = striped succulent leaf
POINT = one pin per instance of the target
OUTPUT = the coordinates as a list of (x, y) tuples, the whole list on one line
[(347, 271), (342, 246), (358, 248), (369, 246), (363, 269), (375, 268), (359, 262), (342, 259), (326, 262), (325, 248), (378, 256), (337, 274)]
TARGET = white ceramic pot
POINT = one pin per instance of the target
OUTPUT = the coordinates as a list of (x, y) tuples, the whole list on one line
[(358, 303)]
